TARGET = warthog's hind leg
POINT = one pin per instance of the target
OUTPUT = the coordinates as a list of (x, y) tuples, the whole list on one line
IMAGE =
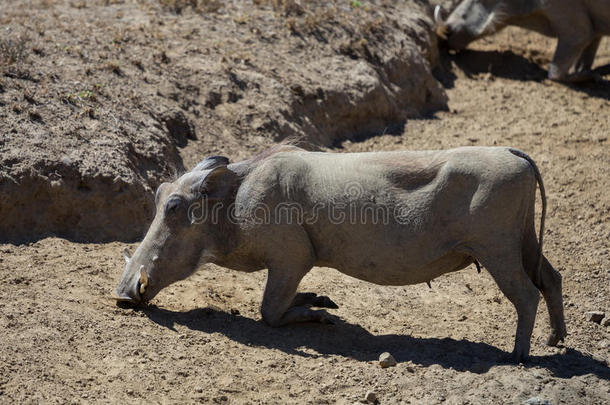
[(551, 290), (548, 281), (508, 272)]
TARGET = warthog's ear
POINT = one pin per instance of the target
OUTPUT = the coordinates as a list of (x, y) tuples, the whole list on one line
[(211, 162), (216, 184)]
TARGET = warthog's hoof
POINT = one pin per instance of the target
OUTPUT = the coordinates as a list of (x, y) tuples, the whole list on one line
[(555, 337), (309, 299), (513, 358), (324, 317)]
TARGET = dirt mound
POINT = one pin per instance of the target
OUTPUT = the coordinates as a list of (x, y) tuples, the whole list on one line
[(102, 100)]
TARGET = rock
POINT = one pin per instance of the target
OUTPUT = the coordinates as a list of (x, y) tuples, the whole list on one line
[(603, 344), (594, 316), (606, 322), (386, 360), (370, 397), (537, 401)]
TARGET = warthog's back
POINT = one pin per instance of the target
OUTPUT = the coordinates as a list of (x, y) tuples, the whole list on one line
[(377, 215)]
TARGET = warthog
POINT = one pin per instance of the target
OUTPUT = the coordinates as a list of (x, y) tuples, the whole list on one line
[(390, 218), (579, 26)]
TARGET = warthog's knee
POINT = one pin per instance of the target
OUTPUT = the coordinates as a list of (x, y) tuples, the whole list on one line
[(271, 318)]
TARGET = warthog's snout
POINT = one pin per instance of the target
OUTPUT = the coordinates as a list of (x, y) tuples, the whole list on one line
[(455, 37), (132, 289)]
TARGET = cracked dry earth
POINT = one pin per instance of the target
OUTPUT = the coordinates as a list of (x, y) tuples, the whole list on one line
[(65, 341)]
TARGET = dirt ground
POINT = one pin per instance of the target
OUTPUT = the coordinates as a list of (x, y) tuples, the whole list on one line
[(65, 341)]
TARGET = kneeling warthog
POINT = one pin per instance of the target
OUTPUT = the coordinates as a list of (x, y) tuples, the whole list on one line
[(579, 26), (390, 218)]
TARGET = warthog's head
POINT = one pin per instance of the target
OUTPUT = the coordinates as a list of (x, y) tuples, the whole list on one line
[(471, 19), (178, 237)]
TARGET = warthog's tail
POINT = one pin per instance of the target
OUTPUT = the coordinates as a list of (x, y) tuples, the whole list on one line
[(523, 155)]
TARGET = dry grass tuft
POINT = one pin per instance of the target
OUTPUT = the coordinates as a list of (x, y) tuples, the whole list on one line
[(13, 50)]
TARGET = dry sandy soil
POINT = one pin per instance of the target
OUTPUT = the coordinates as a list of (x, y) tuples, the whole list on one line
[(63, 340)]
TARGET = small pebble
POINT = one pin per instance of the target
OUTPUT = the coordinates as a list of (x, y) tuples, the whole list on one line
[(386, 360), (594, 316), (606, 322), (370, 397)]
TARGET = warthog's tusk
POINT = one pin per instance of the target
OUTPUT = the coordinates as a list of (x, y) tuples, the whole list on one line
[(441, 27), (155, 259), (143, 279), (437, 15), (126, 255)]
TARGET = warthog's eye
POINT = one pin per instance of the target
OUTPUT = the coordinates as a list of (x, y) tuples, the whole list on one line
[(173, 205)]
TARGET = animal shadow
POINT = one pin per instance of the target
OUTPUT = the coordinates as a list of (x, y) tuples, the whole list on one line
[(355, 342), (508, 65)]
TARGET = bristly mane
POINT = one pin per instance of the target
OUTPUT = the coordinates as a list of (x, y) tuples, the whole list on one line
[(288, 144)]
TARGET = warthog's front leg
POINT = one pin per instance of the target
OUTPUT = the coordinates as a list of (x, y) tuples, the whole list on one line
[(307, 299), (279, 298), (287, 267)]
